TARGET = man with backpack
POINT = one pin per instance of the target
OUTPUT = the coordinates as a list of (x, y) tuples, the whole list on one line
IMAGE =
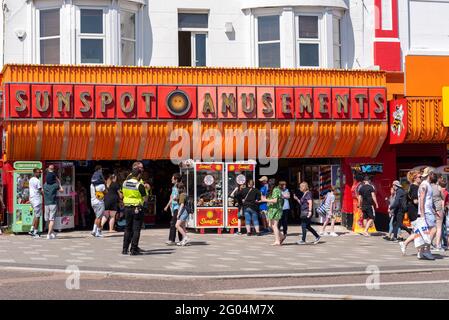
[(399, 207)]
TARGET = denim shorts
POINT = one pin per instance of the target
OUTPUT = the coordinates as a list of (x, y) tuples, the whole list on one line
[(250, 214), (184, 216), (431, 220)]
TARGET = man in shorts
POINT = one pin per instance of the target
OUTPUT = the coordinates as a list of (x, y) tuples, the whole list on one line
[(426, 210), (97, 202), (36, 201), (51, 188), (367, 201)]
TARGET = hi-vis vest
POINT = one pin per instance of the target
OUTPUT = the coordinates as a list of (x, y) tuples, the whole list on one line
[(131, 193)]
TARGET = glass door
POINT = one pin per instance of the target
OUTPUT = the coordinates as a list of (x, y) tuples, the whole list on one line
[(199, 45)]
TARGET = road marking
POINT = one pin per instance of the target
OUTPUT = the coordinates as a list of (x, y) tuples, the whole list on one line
[(151, 292)]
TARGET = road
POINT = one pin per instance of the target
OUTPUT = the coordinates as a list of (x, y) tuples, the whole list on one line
[(53, 285)]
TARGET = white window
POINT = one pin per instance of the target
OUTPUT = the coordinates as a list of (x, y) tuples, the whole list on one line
[(49, 36), (128, 38), (269, 41), (91, 37), (192, 39), (308, 40), (337, 42)]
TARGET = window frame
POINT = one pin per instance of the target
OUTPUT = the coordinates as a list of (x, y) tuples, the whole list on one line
[(319, 40), (136, 34), (38, 31), (256, 37), (339, 43), (193, 33), (94, 36)]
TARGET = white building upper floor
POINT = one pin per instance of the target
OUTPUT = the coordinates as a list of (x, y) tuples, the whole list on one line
[(350, 34)]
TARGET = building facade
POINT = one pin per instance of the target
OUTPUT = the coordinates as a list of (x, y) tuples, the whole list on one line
[(77, 72)]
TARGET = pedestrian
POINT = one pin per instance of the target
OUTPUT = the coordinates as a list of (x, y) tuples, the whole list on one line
[(263, 207), (236, 195), (134, 194), (329, 206), (285, 209), (306, 205), (275, 205), (97, 191), (36, 194), (390, 201), (251, 199), (173, 204), (438, 203), (426, 210), (183, 215), (399, 208), (111, 202), (298, 193), (444, 233), (414, 178), (51, 188), (367, 201)]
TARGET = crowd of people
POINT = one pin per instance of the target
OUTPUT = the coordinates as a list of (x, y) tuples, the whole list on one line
[(263, 210)]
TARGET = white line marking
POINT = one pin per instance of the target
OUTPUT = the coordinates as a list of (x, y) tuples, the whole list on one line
[(236, 276), (151, 292)]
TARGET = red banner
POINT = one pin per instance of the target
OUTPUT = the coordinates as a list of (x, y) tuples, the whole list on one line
[(209, 167), (209, 218), (232, 221), (240, 167), (398, 121), (130, 102)]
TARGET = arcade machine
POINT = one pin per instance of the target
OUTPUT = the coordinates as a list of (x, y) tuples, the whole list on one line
[(149, 218), (237, 173), (205, 184), (65, 215), (2, 209), (22, 215)]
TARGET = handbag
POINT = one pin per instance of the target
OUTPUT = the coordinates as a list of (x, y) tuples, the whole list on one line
[(322, 209)]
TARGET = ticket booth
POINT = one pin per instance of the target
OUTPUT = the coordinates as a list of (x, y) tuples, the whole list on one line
[(23, 215)]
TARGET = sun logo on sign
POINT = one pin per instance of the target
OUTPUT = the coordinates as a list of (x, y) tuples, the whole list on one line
[(218, 167), (178, 103), (231, 168), (209, 214)]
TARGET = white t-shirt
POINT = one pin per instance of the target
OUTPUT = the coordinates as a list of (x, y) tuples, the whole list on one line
[(428, 198), (93, 197), (35, 193), (286, 205)]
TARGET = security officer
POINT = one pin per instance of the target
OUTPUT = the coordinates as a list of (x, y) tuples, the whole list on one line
[(134, 194)]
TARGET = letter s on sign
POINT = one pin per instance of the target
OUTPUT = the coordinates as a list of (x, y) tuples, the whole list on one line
[(20, 96)]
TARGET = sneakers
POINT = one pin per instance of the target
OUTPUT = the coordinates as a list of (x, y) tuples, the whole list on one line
[(170, 243), (31, 233), (317, 240), (93, 233), (438, 250), (125, 252), (184, 242), (418, 255), (300, 242), (395, 240), (36, 236), (333, 234), (98, 234), (428, 256), (402, 246)]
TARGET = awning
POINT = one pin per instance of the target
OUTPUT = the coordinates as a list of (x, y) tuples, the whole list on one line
[(68, 140), (425, 121)]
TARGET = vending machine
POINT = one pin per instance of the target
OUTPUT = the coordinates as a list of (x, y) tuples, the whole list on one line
[(2, 209), (237, 173), (22, 215), (65, 215)]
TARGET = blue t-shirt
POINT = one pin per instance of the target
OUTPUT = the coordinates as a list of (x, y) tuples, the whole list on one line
[(264, 191), (175, 199)]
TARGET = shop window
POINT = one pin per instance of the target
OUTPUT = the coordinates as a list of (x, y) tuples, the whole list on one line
[(128, 38), (337, 42), (269, 41), (92, 36), (308, 41), (192, 39), (49, 36)]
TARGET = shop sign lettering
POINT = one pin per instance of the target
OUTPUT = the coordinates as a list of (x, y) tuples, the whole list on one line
[(122, 102)]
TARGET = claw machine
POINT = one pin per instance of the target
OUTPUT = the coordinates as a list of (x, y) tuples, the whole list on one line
[(65, 215), (22, 215), (187, 170), (237, 173)]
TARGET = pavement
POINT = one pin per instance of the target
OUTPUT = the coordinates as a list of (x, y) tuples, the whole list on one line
[(212, 255)]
